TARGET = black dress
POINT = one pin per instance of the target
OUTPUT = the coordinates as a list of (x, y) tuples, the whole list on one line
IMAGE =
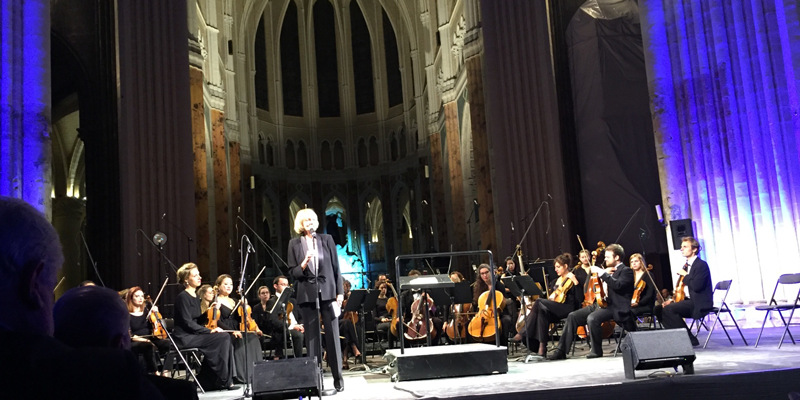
[(242, 360), (215, 372), (140, 326)]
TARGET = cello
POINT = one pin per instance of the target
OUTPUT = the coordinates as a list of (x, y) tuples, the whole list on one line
[(391, 308), (417, 328), (482, 328), (456, 328)]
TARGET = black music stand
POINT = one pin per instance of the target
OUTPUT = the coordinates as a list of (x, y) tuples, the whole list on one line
[(521, 286), (280, 308), (355, 303), (461, 293)]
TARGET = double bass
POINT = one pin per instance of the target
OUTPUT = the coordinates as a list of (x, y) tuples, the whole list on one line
[(481, 328)]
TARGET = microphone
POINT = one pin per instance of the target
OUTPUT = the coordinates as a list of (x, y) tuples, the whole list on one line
[(551, 197), (512, 225), (562, 223), (164, 216)]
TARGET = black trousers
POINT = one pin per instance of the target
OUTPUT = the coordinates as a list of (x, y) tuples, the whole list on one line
[(537, 322), (591, 316), (311, 323), (672, 316), (151, 353), (295, 338)]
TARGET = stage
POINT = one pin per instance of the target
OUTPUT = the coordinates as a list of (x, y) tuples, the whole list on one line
[(721, 371)]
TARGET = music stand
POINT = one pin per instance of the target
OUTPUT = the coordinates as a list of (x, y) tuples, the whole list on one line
[(355, 303), (521, 286), (280, 308), (461, 293)]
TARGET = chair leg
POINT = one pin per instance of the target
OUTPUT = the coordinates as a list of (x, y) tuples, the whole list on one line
[(762, 327), (787, 328), (737, 327), (710, 331)]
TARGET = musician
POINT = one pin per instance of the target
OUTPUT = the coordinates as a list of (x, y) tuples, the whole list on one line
[(511, 267), (381, 279), (546, 311), (457, 277), (215, 372), (647, 300), (409, 297), (700, 299), (347, 329), (314, 262), (585, 270), (619, 280), (142, 340), (666, 294), (230, 319), (482, 283), (294, 330)]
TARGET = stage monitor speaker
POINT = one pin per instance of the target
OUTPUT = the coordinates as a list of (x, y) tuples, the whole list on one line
[(657, 349), (287, 378), (681, 228)]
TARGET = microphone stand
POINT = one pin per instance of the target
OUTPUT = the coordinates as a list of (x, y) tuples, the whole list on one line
[(91, 259), (243, 304), (189, 239), (165, 258), (272, 253), (322, 391)]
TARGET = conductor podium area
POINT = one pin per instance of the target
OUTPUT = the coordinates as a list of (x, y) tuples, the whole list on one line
[(721, 370)]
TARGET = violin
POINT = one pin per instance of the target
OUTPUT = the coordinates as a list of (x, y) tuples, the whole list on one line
[(481, 328), (639, 288), (417, 329), (154, 317), (247, 323), (680, 287), (560, 294), (213, 314)]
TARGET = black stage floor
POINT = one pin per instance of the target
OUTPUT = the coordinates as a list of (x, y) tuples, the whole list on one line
[(721, 371)]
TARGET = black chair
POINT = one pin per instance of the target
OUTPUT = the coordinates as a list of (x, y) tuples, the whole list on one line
[(716, 311), (773, 305), (193, 361)]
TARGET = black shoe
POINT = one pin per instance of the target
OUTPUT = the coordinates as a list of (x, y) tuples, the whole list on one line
[(592, 355), (557, 355), (339, 386)]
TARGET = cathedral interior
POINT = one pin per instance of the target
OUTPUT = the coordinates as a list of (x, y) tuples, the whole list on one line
[(527, 128)]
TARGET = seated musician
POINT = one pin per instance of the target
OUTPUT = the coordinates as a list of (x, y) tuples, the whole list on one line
[(215, 372), (383, 319), (142, 340), (294, 330), (511, 267), (700, 299), (261, 311), (347, 329), (619, 280), (230, 319), (550, 311), (408, 298), (482, 284), (647, 297), (381, 279)]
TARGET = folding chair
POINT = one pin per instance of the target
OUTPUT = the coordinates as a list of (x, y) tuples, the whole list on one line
[(785, 279), (716, 311)]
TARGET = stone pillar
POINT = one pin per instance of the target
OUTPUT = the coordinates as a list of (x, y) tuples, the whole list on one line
[(25, 155), (455, 176)]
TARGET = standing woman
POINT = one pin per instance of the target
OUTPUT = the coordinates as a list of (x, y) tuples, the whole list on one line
[(215, 372), (142, 340), (546, 311), (230, 320), (314, 262)]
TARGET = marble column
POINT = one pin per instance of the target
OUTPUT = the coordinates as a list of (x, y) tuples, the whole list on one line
[(25, 155)]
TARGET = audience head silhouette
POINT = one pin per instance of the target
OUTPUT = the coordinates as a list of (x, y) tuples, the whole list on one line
[(92, 316), (30, 256)]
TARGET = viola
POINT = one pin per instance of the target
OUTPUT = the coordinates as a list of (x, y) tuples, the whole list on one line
[(560, 294), (481, 328), (247, 323), (417, 328), (213, 314), (391, 308), (639, 287), (680, 287)]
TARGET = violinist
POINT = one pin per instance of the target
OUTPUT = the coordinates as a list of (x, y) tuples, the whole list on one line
[(700, 299), (511, 267), (647, 295), (547, 311), (142, 340), (347, 329), (619, 280), (482, 284), (230, 320), (294, 330), (215, 372)]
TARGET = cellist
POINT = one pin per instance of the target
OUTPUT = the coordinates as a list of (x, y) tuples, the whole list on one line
[(619, 279), (483, 281), (547, 311), (697, 278)]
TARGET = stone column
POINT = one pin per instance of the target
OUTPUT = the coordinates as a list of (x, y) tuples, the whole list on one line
[(25, 155)]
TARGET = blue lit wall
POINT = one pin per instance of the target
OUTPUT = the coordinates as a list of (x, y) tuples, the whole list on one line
[(724, 89)]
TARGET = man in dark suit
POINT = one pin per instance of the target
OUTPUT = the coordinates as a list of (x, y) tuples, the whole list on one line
[(314, 263), (697, 278), (619, 279)]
